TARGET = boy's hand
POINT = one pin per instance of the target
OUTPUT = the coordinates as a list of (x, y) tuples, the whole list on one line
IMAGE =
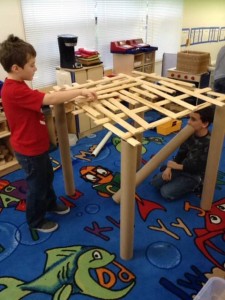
[(167, 174), (90, 95)]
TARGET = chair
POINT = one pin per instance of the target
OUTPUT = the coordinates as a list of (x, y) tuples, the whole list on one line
[(169, 61)]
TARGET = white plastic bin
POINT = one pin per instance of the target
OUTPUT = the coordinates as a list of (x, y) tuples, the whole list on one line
[(214, 289), (72, 139)]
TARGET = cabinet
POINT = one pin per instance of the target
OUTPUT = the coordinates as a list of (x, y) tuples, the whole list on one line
[(8, 162), (81, 125), (126, 63), (68, 76)]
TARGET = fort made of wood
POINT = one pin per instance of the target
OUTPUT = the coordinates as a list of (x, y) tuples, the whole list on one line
[(122, 103)]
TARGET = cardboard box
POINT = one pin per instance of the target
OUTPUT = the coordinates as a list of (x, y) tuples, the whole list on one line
[(193, 62)]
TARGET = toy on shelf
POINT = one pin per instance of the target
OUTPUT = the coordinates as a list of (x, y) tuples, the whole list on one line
[(87, 57)]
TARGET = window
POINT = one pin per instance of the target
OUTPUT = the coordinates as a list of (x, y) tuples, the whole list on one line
[(44, 20), (97, 23), (165, 25)]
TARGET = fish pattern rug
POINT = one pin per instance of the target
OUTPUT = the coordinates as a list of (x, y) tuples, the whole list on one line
[(177, 246)]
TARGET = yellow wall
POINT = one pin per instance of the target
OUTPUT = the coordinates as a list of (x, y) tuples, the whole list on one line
[(205, 13)]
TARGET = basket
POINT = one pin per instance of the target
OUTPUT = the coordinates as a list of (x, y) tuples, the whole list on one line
[(193, 62)]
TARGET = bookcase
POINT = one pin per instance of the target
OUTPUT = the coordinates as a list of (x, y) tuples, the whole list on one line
[(8, 162), (126, 63)]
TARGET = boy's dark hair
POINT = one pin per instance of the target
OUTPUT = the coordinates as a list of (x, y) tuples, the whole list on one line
[(207, 114), (15, 51)]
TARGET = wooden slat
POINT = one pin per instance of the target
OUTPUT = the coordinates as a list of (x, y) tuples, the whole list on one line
[(160, 109), (140, 92), (117, 88), (111, 104), (127, 99), (132, 115), (116, 119), (171, 98), (195, 94), (157, 78), (91, 111), (143, 93), (117, 131)]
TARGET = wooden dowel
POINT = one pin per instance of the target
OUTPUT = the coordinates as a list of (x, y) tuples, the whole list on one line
[(214, 155), (64, 147), (157, 159), (127, 208)]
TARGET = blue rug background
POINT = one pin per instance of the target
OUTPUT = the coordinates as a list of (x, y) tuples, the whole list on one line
[(167, 264)]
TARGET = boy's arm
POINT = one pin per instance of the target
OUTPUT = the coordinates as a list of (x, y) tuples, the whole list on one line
[(174, 165), (68, 95)]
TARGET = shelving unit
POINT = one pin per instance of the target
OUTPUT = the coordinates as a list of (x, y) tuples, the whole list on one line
[(80, 75), (8, 162), (126, 63), (81, 125)]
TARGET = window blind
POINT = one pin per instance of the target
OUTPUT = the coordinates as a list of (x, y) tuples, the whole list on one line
[(118, 20), (44, 20), (164, 25), (97, 23)]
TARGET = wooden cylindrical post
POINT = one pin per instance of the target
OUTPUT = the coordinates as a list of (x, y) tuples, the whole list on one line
[(215, 150), (127, 208), (64, 147), (139, 137), (157, 159)]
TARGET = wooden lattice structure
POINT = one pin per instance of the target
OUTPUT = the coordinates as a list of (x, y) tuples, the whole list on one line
[(122, 103)]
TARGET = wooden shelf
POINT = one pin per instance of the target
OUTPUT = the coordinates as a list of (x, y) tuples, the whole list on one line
[(9, 167), (12, 165), (4, 133), (126, 63)]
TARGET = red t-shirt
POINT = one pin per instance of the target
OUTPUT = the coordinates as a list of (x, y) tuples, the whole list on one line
[(22, 107)]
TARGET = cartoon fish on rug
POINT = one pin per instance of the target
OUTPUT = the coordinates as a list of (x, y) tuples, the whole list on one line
[(107, 184), (69, 271), (214, 227), (146, 140)]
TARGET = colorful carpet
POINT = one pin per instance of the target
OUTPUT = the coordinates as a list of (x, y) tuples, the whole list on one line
[(177, 246)]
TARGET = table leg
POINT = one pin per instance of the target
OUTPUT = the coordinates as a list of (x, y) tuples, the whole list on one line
[(127, 206), (215, 150), (64, 147)]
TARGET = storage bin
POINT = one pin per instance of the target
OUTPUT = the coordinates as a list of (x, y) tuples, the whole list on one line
[(72, 139), (193, 62), (214, 289), (169, 127)]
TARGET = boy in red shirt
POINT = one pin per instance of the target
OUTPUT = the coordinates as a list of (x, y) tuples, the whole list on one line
[(29, 134)]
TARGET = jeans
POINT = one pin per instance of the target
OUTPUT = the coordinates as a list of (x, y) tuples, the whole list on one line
[(180, 184), (40, 195)]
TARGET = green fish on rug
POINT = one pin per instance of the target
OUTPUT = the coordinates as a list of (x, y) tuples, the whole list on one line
[(70, 271)]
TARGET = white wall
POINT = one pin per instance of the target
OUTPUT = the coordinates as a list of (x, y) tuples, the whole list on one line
[(10, 22)]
